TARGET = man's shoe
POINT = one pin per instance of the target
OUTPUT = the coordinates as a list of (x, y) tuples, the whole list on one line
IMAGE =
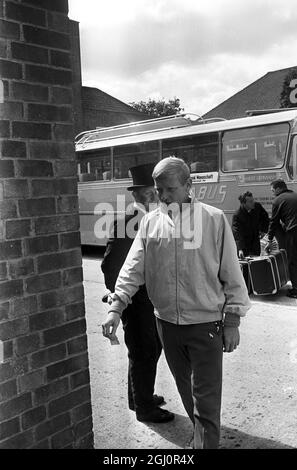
[(157, 399), (157, 415)]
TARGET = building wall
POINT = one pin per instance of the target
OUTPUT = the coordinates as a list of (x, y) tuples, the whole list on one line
[(76, 75), (44, 373)]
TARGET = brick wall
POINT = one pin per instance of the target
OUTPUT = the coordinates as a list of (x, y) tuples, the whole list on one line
[(44, 373)]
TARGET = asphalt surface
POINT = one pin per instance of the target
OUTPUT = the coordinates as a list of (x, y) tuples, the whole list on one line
[(259, 408)]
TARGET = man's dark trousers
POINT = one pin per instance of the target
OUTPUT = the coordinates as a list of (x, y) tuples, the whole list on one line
[(139, 323), (194, 354), (291, 245), (144, 349)]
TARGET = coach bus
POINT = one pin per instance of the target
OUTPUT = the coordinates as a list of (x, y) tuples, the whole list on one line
[(226, 158)]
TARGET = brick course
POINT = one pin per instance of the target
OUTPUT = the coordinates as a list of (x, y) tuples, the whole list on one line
[(50, 427), (25, 14), (8, 209), (18, 228), (9, 69), (41, 245), (4, 128), (3, 48), (9, 428), (4, 310), (31, 130), (27, 344), (9, 30), (64, 332), (29, 92), (51, 150), (29, 53), (9, 250), (69, 401), (13, 149), (16, 188), (61, 95), (48, 356), (20, 441), (51, 76), (51, 5), (6, 168), (33, 417), (11, 289), (13, 368), (24, 306), (21, 268), (44, 374), (52, 390), (8, 389)]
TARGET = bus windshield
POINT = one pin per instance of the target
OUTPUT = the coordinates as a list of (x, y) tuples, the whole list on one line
[(255, 147)]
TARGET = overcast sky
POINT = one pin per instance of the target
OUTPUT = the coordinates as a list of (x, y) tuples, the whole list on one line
[(201, 51)]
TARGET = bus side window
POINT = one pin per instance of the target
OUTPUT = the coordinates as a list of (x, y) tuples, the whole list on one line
[(127, 156), (254, 148), (94, 165), (200, 152)]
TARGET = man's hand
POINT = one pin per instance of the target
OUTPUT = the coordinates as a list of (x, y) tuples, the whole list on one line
[(230, 338), (240, 254), (268, 247), (109, 327)]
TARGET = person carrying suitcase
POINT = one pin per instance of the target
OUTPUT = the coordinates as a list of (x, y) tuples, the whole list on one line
[(284, 219), (249, 223)]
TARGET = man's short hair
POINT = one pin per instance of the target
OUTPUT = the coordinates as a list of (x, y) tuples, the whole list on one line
[(278, 184), (242, 197), (172, 166)]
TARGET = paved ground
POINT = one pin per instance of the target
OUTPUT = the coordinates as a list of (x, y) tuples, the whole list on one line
[(259, 407)]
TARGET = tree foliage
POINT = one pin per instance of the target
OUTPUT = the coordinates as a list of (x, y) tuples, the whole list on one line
[(288, 94), (158, 108)]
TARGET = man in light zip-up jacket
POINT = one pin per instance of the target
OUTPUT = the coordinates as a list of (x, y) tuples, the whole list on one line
[(186, 255)]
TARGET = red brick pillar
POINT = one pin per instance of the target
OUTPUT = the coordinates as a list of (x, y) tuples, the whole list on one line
[(44, 374)]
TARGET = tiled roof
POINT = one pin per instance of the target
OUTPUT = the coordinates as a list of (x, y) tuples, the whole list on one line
[(93, 98), (264, 93)]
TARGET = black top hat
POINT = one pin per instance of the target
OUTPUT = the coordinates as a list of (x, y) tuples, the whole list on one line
[(142, 176)]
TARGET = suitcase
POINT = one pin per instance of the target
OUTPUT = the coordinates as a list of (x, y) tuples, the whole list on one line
[(244, 266), (264, 274), (285, 260), (282, 268)]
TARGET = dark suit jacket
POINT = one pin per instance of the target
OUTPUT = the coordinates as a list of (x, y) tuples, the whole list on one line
[(284, 213), (246, 227), (116, 253)]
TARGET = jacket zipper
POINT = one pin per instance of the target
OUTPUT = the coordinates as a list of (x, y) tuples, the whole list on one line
[(176, 284)]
